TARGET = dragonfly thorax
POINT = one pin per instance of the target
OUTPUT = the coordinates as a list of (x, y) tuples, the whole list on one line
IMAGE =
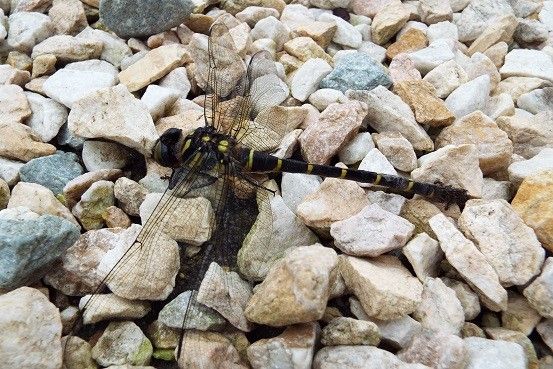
[(173, 148)]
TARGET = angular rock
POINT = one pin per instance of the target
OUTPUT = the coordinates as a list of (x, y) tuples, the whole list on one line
[(355, 150), (528, 63), (425, 255), (359, 357), (114, 113), (493, 144), (198, 316), (26, 312), (384, 287), (154, 65), (476, 17), (68, 16), (336, 126), (68, 48), (397, 149), (74, 189), (323, 97), (371, 232), (387, 112), (529, 133), (508, 244), (93, 204), (434, 11), (412, 40), (468, 298), (440, 310), (130, 195), (545, 329), (387, 22), (482, 353), (402, 68), (539, 293), (446, 78), (294, 347), (132, 347), (469, 97), (519, 316), (123, 17), (14, 106), (437, 350), (532, 203), (99, 155), (457, 166), (296, 186), (47, 116), (216, 350), (501, 30), (345, 34), (141, 276), (277, 302), (437, 53), (443, 29), (307, 78), (53, 171), (463, 255), (321, 32), (499, 105), (356, 71), (27, 29), (115, 49), (520, 170), (254, 259), (428, 108), (28, 247), (536, 100), (110, 307), (17, 141), (348, 331)]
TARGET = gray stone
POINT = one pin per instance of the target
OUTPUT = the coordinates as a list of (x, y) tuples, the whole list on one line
[(437, 350), (53, 171), (28, 247), (198, 315), (122, 343), (143, 18), (483, 353), (356, 71)]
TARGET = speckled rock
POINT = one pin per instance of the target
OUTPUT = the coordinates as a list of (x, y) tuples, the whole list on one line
[(437, 53), (468, 298), (26, 29), (412, 40), (35, 244), (476, 17), (349, 331), (483, 352), (531, 203), (74, 189), (446, 78), (123, 17), (53, 171), (402, 68), (93, 204), (355, 150), (529, 133), (519, 316), (68, 48), (336, 125), (520, 170), (111, 307), (356, 71), (100, 155), (528, 63), (346, 34), (435, 349), (397, 149), (424, 254), (26, 312), (275, 302), (47, 116), (539, 293), (387, 22), (68, 16), (357, 357), (14, 106), (130, 195), (379, 281), (217, 351), (296, 186), (115, 49)]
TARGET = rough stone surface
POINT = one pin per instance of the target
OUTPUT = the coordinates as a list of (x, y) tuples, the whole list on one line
[(425, 255), (469, 97), (307, 78), (539, 293), (485, 353), (53, 171), (397, 149), (68, 48), (528, 63), (133, 347), (435, 349), (446, 78), (349, 331), (520, 170), (519, 316), (198, 315), (412, 40), (530, 134), (359, 357), (26, 312), (384, 287), (437, 53), (387, 22)]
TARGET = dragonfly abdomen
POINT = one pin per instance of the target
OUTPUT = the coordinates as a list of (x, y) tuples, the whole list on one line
[(256, 161)]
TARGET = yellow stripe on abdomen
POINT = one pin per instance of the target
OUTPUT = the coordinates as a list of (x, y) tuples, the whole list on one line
[(344, 173), (378, 179), (278, 165)]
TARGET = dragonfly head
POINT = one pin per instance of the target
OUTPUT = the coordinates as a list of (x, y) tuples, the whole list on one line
[(168, 147)]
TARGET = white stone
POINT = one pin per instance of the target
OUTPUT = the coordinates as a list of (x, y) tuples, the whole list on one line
[(397, 149), (346, 34), (371, 232), (546, 15), (444, 29), (529, 133), (455, 165), (527, 63), (469, 97), (177, 79), (273, 29), (434, 11), (355, 150), (99, 155), (9, 170), (390, 202), (468, 298), (388, 112), (545, 329), (296, 186), (159, 99), (446, 78), (483, 353), (322, 98), (524, 168), (539, 292), (67, 86), (437, 53), (477, 16), (385, 288), (307, 78), (94, 65), (440, 310), (114, 113), (479, 65), (375, 161), (435, 349), (375, 51), (493, 189), (111, 307), (10, 75), (499, 105), (412, 24), (31, 330), (26, 29), (509, 245), (424, 255), (293, 16), (253, 14), (536, 100), (131, 343), (115, 49), (68, 48), (47, 116), (463, 255)]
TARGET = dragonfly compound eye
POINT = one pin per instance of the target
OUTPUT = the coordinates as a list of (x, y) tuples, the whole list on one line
[(166, 148)]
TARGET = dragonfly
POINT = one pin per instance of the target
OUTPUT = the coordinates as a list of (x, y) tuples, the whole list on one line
[(224, 162)]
